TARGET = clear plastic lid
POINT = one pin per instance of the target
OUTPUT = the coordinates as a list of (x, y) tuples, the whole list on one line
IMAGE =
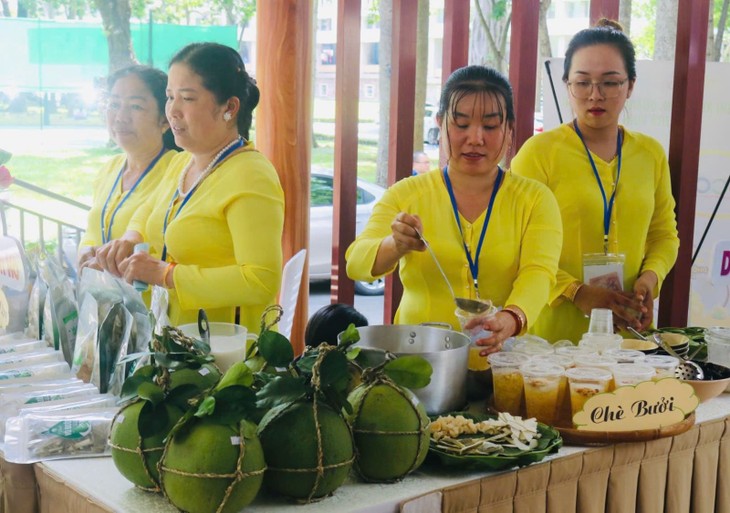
[(507, 359), (540, 368), (588, 374)]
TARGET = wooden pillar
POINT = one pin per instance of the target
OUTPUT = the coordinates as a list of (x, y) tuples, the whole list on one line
[(402, 112), (684, 151), (604, 9), (284, 121), (456, 37), (346, 143), (523, 66)]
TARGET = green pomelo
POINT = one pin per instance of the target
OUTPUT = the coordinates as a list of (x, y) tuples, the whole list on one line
[(390, 429), (290, 439), (203, 378), (126, 444), (207, 450)]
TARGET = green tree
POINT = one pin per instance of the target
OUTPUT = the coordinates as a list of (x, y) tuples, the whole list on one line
[(490, 30), (115, 16)]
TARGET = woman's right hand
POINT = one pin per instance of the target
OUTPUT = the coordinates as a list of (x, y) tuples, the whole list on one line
[(405, 228), (627, 309), (402, 240), (111, 254)]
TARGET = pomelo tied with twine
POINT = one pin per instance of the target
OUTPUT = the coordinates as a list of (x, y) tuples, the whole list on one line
[(159, 393), (307, 443), (389, 423), (213, 460)]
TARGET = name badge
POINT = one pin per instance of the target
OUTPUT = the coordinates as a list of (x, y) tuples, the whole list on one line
[(604, 270)]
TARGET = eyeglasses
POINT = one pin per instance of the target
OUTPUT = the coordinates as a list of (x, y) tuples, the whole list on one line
[(582, 89)]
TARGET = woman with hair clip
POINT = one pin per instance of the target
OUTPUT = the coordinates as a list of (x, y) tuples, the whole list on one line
[(215, 224), (135, 117), (614, 192), (496, 235)]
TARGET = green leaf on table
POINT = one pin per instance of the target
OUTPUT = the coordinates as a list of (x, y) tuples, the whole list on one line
[(233, 403), (207, 407), (353, 353), (334, 371), (281, 389), (151, 392), (238, 374), (409, 371), (131, 384), (349, 336), (275, 348), (153, 419)]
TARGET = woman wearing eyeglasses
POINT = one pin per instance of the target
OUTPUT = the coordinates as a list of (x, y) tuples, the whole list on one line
[(614, 192)]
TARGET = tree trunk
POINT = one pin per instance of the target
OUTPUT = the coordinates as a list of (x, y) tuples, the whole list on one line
[(421, 73), (544, 49), (385, 59), (717, 43), (666, 30), (624, 15), (488, 40), (115, 16)]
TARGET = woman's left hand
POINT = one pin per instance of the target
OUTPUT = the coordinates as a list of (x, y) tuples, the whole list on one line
[(142, 267), (502, 325), (644, 292)]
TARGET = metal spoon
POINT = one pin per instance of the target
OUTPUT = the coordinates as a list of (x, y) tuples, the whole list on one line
[(687, 370), (468, 305), (203, 327)]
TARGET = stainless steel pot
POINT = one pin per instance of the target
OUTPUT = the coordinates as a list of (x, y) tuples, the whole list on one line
[(446, 350)]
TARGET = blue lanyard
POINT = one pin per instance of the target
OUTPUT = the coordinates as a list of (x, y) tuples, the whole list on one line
[(106, 235), (220, 159), (607, 204), (473, 263)]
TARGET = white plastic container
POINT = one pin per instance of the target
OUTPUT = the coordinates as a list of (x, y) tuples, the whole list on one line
[(718, 345)]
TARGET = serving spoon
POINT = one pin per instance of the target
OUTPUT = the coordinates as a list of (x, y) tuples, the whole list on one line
[(473, 306)]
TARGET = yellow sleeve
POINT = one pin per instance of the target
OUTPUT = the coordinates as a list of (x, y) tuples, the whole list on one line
[(140, 217), (255, 218), (530, 162), (102, 185), (541, 243), (662, 242), (360, 256)]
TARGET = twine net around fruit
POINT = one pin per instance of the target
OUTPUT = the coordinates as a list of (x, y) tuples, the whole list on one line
[(140, 452), (237, 476), (321, 467), (384, 380)]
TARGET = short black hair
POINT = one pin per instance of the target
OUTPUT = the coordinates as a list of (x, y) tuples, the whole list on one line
[(329, 321)]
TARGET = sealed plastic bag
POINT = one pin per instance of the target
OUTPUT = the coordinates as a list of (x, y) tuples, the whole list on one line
[(58, 434)]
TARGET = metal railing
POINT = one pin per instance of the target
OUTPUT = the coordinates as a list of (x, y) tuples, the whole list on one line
[(29, 220)]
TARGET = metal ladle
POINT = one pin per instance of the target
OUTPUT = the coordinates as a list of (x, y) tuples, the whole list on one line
[(474, 306)]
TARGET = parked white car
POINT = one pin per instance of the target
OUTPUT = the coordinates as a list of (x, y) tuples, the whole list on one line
[(320, 226)]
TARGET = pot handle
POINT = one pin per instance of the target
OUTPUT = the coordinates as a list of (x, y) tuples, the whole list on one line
[(444, 325)]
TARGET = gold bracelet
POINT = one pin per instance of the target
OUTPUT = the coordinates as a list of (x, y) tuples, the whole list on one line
[(520, 321), (168, 270), (571, 290)]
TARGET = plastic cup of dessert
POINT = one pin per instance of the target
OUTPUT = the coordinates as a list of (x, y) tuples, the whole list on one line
[(476, 361), (631, 373), (507, 381), (584, 383), (542, 382), (664, 365), (626, 355)]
